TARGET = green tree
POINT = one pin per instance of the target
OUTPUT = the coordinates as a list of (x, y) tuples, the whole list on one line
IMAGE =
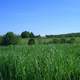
[(10, 38), (27, 34), (1, 40), (31, 35)]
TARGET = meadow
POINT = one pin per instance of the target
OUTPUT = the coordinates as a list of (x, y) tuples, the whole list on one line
[(40, 62)]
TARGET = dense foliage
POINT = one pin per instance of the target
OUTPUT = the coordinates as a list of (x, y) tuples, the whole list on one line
[(27, 34), (40, 62), (31, 41), (10, 38), (1, 40)]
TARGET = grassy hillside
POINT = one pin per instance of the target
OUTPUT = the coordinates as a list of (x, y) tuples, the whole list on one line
[(40, 62), (45, 40)]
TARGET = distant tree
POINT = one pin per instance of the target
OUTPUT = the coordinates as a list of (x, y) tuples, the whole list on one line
[(1, 40), (38, 36), (25, 34), (31, 41), (31, 35), (49, 36), (10, 38)]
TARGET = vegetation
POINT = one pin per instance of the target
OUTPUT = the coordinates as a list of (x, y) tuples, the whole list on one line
[(1, 40), (31, 41), (10, 38), (47, 58), (27, 34), (40, 62), (64, 35)]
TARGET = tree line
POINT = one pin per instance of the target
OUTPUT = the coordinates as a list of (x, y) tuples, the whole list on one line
[(64, 35), (11, 38)]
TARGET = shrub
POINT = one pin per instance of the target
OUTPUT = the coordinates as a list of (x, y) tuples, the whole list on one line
[(31, 41), (10, 38)]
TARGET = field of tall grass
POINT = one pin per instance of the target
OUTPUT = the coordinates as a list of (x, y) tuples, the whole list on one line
[(40, 62)]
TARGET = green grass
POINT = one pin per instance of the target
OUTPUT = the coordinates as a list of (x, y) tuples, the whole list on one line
[(44, 40), (40, 62)]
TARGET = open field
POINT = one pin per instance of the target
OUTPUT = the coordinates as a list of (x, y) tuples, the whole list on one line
[(39, 39), (44, 40), (40, 62)]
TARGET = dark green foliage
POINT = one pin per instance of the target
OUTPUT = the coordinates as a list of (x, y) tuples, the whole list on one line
[(1, 40), (31, 41), (31, 35), (27, 34), (10, 38)]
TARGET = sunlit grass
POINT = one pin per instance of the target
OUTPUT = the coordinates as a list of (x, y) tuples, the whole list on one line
[(40, 62)]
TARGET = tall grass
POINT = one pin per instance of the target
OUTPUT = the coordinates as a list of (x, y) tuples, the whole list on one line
[(40, 62)]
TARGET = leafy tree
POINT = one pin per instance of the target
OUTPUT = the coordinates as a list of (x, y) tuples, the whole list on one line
[(1, 40), (31, 35), (25, 34), (10, 38)]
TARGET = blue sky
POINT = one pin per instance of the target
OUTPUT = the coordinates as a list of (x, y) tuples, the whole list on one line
[(40, 16)]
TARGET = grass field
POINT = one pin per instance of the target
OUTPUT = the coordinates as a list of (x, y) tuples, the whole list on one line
[(40, 62)]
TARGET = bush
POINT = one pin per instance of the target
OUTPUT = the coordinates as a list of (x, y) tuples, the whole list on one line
[(31, 41), (10, 38)]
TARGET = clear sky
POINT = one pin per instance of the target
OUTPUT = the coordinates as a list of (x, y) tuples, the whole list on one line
[(40, 16)]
